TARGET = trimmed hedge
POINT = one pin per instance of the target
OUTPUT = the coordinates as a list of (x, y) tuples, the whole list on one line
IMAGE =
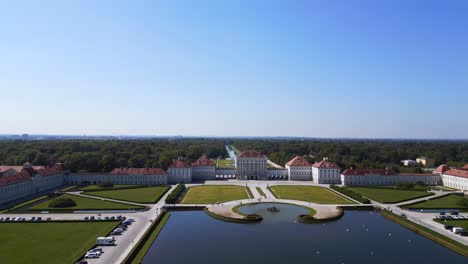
[(348, 192), (62, 203), (173, 197)]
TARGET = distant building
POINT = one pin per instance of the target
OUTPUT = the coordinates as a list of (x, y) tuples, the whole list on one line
[(353, 176), (251, 165), (179, 172), (20, 181), (326, 172), (299, 169), (454, 178), (144, 176), (410, 163), (426, 161), (204, 169)]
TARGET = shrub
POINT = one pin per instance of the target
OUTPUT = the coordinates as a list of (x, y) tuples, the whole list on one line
[(173, 197), (62, 203), (106, 184), (351, 194), (404, 185)]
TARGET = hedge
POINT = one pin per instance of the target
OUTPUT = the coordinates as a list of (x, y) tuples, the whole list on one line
[(348, 192), (173, 197)]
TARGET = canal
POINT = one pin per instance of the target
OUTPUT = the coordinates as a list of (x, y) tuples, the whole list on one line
[(358, 237)]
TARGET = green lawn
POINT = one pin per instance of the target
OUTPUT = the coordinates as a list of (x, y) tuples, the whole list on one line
[(207, 194), (224, 164), (387, 194), (99, 188), (445, 202), (49, 243), (137, 195), (84, 203), (260, 191), (312, 194)]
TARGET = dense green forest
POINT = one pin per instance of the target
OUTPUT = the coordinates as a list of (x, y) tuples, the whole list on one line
[(360, 153), (104, 155)]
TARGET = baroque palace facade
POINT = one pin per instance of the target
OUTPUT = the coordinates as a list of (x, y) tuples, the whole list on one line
[(20, 181)]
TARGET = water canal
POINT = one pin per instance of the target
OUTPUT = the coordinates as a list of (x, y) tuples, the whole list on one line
[(358, 237)]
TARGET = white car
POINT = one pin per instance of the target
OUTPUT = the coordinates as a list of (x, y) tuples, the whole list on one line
[(92, 254)]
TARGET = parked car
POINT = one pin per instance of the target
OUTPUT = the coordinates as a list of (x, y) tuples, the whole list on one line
[(442, 213), (92, 255), (454, 213), (124, 227), (48, 219), (86, 218), (112, 218), (38, 218), (106, 218), (448, 227), (99, 250), (7, 219), (92, 218), (1, 219)]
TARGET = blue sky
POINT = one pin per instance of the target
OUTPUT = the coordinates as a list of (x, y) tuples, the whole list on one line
[(349, 68)]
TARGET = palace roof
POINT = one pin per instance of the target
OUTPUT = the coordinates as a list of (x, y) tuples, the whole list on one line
[(203, 161), (325, 164), (442, 169), (251, 154), (298, 161), (457, 173), (143, 171)]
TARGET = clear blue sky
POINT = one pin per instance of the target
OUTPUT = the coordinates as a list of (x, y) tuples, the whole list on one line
[(349, 68)]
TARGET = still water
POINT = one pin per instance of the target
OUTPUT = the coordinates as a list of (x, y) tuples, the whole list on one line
[(358, 237)]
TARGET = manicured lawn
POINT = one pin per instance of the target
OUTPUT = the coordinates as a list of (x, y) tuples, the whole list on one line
[(312, 194), (260, 191), (387, 194), (445, 202), (49, 243), (99, 188), (208, 194), (225, 164), (84, 203), (137, 195)]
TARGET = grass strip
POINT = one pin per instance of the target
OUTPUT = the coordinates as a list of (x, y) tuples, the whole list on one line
[(25, 203), (424, 231), (139, 251), (260, 191)]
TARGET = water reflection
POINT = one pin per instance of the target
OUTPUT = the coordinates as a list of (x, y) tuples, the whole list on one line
[(358, 237)]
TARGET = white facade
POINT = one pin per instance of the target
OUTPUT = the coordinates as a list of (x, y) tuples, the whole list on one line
[(32, 182), (179, 175), (97, 178), (299, 173), (455, 178), (326, 175), (385, 177), (203, 173), (251, 165)]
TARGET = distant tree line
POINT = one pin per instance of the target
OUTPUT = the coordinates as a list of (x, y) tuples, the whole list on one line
[(104, 155), (361, 153)]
